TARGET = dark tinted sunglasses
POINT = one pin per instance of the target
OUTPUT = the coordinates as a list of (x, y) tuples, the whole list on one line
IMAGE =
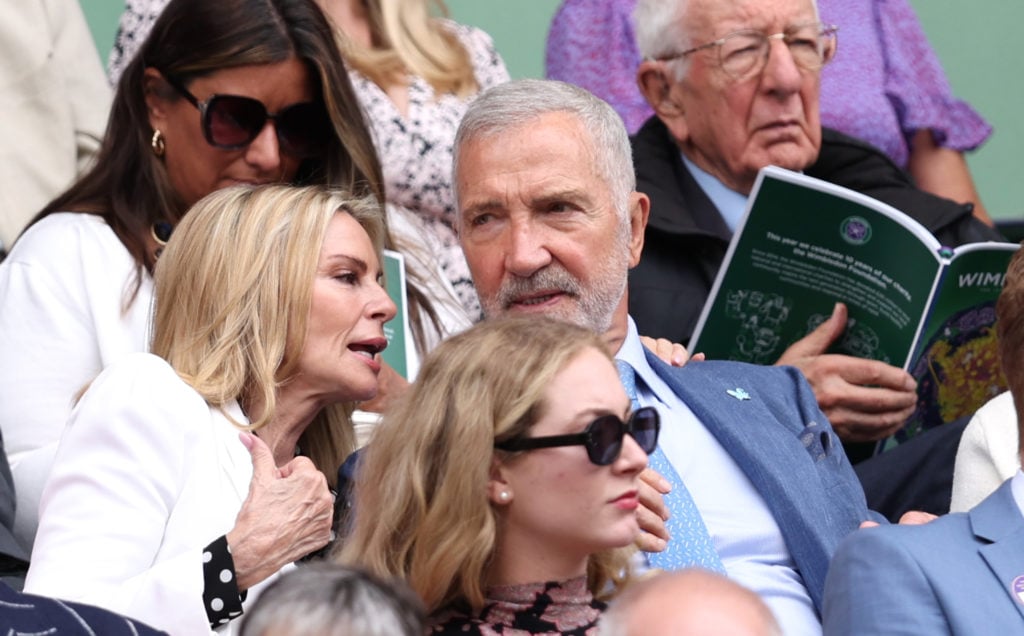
[(603, 437), (231, 122)]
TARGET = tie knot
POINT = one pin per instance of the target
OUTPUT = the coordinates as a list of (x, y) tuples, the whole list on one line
[(627, 375)]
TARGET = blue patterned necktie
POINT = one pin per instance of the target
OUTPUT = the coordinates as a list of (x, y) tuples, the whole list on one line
[(690, 544)]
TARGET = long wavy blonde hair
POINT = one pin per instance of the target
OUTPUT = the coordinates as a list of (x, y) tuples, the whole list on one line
[(233, 291), (407, 38), (422, 511)]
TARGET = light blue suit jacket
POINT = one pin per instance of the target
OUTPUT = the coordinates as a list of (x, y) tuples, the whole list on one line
[(786, 447), (951, 576)]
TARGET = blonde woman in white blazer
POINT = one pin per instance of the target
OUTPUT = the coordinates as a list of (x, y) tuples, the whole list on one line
[(189, 477)]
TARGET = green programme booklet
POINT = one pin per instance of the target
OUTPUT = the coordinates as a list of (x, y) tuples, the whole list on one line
[(398, 353), (805, 244)]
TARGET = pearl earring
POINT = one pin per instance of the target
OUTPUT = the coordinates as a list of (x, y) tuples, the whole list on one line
[(504, 496)]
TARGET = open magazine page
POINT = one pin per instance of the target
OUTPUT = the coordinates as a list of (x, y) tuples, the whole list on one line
[(803, 245), (956, 364)]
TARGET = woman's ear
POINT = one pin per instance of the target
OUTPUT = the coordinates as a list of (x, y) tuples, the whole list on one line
[(156, 104), (499, 491)]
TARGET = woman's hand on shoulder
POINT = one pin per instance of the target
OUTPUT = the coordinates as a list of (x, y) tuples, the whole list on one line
[(670, 352), (287, 515)]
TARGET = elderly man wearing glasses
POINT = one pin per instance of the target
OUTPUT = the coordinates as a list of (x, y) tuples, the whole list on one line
[(734, 86)]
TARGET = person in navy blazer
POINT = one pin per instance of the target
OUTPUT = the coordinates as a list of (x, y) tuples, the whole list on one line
[(31, 614), (960, 574), (550, 224)]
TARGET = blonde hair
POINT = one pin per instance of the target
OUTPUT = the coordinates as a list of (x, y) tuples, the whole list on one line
[(408, 39), (422, 511), (233, 291)]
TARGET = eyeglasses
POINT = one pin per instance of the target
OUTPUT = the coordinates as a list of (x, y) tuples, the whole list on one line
[(602, 437), (231, 122), (745, 53)]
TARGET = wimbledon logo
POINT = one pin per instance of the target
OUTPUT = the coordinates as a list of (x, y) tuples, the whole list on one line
[(855, 230)]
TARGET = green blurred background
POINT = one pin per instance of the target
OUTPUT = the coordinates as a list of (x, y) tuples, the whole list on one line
[(977, 43)]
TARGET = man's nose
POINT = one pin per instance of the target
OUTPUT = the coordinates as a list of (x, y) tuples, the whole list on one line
[(781, 73), (526, 251)]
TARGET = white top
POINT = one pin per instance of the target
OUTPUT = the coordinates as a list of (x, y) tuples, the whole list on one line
[(63, 290), (987, 455), (147, 475), (741, 525)]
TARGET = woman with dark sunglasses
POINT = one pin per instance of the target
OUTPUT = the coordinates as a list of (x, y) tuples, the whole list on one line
[(221, 93), (533, 538), (415, 74)]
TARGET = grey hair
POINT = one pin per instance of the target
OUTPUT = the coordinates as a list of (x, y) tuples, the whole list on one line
[(658, 27), (326, 599), (660, 31), (514, 104)]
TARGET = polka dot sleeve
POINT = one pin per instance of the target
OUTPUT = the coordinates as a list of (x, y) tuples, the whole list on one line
[(221, 598)]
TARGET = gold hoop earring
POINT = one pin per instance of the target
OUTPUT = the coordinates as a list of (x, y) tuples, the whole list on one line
[(161, 233), (157, 143)]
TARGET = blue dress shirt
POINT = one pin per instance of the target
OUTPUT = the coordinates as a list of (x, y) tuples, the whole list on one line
[(741, 526)]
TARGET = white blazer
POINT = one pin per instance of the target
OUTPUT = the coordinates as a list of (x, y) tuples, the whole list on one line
[(146, 476), (63, 291), (987, 455)]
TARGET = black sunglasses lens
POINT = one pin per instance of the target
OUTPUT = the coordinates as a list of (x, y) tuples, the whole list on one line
[(303, 129), (605, 439), (232, 121), (645, 427)]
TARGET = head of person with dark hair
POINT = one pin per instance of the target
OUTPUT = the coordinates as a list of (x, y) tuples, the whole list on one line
[(221, 93), (507, 477), (324, 599)]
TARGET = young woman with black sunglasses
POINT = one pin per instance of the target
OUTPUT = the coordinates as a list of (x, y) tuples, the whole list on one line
[(532, 538), (271, 102)]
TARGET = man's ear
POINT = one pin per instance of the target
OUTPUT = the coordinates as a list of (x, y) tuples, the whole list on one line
[(639, 210), (499, 490), (656, 84), (153, 89)]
